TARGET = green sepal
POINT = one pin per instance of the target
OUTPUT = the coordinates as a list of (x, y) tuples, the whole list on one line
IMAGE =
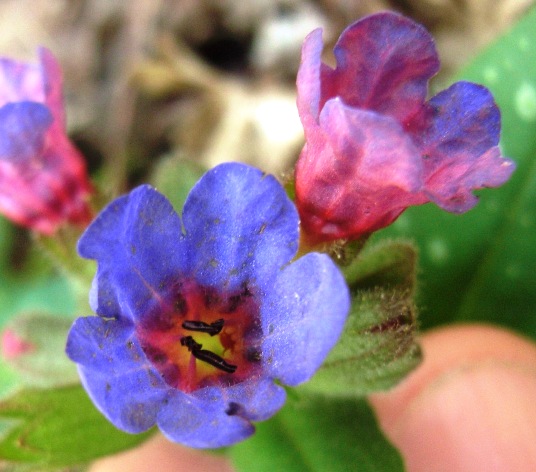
[(7, 233), (385, 264), (377, 348), (43, 362), (289, 185), (317, 434), (56, 428)]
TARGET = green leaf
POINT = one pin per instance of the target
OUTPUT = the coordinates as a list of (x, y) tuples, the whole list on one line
[(57, 428), (52, 294), (480, 266), (6, 236), (316, 434), (377, 348), (43, 362), (502, 289), (62, 253), (10, 467), (23, 294), (174, 177)]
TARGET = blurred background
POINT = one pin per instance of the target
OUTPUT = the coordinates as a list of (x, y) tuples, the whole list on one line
[(149, 83), (211, 80)]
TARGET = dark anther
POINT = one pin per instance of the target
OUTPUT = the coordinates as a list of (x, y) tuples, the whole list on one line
[(207, 356), (212, 328), (190, 343), (214, 360)]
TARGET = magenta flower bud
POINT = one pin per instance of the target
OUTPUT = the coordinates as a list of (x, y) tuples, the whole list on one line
[(374, 145), (43, 178)]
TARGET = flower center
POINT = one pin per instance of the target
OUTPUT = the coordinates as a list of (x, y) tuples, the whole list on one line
[(197, 336)]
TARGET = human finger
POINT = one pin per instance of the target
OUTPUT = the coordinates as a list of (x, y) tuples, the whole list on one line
[(469, 407)]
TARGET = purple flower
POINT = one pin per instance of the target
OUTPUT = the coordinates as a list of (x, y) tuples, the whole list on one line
[(43, 179), (199, 316), (374, 145)]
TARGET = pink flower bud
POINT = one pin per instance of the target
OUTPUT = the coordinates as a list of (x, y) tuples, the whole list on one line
[(374, 145), (43, 178)]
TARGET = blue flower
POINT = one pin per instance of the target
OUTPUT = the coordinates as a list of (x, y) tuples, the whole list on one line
[(201, 319)]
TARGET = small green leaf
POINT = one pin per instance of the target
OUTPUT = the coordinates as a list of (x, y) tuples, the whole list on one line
[(314, 434), (42, 361), (57, 428), (377, 348), (51, 294), (47, 292)]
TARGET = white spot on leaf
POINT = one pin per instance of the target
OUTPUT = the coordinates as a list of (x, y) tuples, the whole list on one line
[(525, 101), (437, 251), (512, 271), (490, 75), (524, 44)]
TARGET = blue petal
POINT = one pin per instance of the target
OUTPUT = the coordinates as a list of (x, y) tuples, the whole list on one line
[(129, 402), (466, 122), (256, 400), (122, 383), (202, 420), (109, 346), (139, 248), (241, 225), (303, 317), (23, 128)]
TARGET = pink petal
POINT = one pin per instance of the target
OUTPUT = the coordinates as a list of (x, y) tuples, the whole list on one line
[(20, 82), (308, 80), (384, 62), (360, 176), (53, 86), (13, 345), (451, 186)]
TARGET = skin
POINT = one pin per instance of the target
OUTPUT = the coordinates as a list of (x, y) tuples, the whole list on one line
[(469, 407)]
